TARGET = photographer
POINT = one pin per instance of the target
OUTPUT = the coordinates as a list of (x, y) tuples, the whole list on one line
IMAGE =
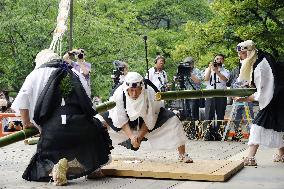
[(80, 64), (216, 77), (157, 74), (5, 102), (192, 82)]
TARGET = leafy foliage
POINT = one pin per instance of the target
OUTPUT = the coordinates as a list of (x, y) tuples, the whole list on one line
[(113, 30), (235, 21)]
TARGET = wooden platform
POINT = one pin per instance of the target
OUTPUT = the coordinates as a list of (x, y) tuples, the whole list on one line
[(203, 170)]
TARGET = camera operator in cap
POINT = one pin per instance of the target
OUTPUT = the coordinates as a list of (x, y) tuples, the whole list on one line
[(137, 115), (80, 64), (193, 82), (158, 75), (216, 77), (118, 74)]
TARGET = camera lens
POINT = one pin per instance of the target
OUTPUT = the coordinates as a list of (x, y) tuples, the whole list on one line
[(215, 64), (81, 56)]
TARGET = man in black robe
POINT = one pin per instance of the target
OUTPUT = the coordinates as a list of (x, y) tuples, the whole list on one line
[(55, 99)]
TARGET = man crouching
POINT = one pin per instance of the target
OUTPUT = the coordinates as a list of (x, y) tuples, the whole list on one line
[(137, 116), (55, 98)]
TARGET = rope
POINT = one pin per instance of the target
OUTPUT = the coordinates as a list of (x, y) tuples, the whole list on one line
[(61, 27)]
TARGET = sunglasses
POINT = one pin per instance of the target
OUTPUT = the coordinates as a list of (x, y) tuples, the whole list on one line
[(241, 48)]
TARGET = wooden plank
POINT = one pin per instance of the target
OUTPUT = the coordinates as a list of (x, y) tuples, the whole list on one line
[(206, 170)]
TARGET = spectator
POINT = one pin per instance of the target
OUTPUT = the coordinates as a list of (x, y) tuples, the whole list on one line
[(157, 75), (80, 64), (240, 107), (118, 75), (5, 102), (216, 77), (192, 82)]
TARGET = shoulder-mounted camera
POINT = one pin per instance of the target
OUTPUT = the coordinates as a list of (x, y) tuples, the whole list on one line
[(184, 69)]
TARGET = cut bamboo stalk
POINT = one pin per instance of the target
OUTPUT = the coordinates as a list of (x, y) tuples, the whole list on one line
[(191, 94), (105, 106)]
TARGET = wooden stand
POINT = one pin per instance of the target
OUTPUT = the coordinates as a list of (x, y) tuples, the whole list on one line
[(203, 170)]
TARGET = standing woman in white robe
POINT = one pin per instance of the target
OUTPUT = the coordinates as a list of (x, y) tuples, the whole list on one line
[(264, 74)]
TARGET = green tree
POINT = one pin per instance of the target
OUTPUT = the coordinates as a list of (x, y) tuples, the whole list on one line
[(107, 29), (235, 21), (26, 26)]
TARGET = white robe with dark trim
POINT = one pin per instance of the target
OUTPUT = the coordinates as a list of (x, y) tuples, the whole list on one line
[(169, 136), (264, 81), (32, 87)]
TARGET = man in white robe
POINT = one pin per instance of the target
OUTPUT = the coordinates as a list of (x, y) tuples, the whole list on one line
[(263, 72), (137, 115)]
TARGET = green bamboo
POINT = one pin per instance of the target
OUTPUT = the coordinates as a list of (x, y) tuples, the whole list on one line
[(105, 106), (26, 133), (191, 94), (18, 136)]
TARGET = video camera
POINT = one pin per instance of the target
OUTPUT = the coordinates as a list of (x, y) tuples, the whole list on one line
[(184, 69), (118, 71)]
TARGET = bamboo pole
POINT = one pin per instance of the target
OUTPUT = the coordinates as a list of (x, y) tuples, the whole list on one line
[(190, 94), (105, 106), (26, 133)]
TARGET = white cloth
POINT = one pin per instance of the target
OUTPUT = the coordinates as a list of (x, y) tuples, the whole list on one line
[(159, 79), (265, 137), (32, 88), (136, 108), (264, 81), (167, 137), (220, 84), (118, 113)]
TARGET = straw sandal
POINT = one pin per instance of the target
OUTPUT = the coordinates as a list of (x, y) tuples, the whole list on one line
[(278, 158), (250, 161), (59, 172)]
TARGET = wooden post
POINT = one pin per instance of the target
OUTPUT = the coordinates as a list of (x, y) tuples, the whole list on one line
[(70, 42)]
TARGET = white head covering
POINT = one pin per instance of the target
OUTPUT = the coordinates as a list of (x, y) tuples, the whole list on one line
[(138, 107), (133, 79), (45, 56), (247, 64)]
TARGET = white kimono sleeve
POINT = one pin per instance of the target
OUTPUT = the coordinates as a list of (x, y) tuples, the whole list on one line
[(23, 99), (118, 113), (264, 81)]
